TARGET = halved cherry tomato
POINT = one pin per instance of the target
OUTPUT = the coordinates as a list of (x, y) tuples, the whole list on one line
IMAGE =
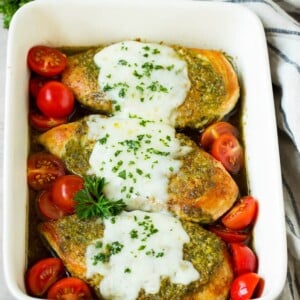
[(243, 258), (36, 82), (212, 132), (43, 274), (242, 214), (42, 170), (46, 61), (227, 149), (42, 123), (228, 235), (55, 100), (69, 288), (46, 207), (63, 190), (243, 287)]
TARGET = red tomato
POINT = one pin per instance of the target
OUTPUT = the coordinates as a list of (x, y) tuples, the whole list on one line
[(212, 132), (69, 288), (63, 191), (42, 123), (242, 214), (243, 287), (47, 208), (243, 258), (46, 61), (55, 100), (228, 235), (42, 169), (227, 149), (43, 274), (36, 83)]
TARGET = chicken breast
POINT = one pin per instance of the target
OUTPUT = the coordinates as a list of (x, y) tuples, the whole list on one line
[(70, 237), (213, 92), (200, 190)]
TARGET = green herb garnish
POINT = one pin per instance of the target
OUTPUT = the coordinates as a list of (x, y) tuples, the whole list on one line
[(92, 203), (8, 9)]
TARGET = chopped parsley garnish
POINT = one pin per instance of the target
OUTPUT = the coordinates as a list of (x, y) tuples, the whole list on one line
[(134, 234), (122, 62), (108, 251), (103, 140), (122, 174)]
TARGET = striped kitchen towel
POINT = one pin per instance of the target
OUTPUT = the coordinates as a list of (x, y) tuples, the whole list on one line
[(281, 22)]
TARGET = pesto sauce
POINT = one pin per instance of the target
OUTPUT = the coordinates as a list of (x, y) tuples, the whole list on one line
[(78, 151), (205, 251), (207, 91)]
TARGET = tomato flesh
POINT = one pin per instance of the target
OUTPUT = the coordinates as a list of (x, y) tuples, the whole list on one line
[(46, 207), (55, 100), (69, 288), (42, 170), (214, 131), (43, 274), (46, 61), (243, 286), (43, 123), (243, 258), (228, 151), (228, 235), (242, 214), (63, 191)]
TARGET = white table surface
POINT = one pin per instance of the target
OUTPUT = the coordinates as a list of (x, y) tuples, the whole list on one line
[(4, 293)]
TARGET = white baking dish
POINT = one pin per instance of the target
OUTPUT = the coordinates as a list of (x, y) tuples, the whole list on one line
[(224, 26)]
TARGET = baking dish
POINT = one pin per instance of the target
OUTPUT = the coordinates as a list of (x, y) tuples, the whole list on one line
[(223, 26)]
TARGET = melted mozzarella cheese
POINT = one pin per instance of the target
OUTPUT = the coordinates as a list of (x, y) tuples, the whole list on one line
[(143, 79), (137, 251), (136, 157)]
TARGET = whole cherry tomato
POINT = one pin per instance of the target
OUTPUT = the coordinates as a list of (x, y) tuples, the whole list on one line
[(63, 191), (243, 287), (55, 100)]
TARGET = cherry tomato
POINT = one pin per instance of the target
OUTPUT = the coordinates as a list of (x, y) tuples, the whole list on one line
[(242, 214), (42, 123), (46, 61), (227, 149), (228, 235), (243, 258), (212, 132), (46, 206), (55, 100), (42, 170), (69, 288), (243, 287), (36, 82), (43, 274), (63, 191)]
